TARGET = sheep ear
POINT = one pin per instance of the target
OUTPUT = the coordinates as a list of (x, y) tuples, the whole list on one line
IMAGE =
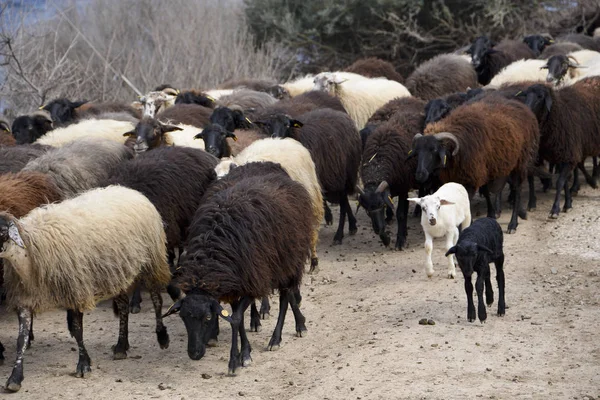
[(444, 202), (451, 250), (170, 128), (485, 249), (548, 102), (388, 200), (199, 135), (542, 67), (231, 135), (443, 157), (76, 104), (173, 309), (296, 124), (221, 312), (416, 200), (259, 123), (129, 134), (14, 235)]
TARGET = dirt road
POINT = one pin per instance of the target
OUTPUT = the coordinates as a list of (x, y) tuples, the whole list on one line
[(364, 339)]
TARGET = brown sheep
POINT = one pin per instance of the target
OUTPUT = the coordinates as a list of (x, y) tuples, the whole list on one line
[(188, 114), (374, 67), (6, 137), (441, 75), (480, 145), (301, 104), (558, 49)]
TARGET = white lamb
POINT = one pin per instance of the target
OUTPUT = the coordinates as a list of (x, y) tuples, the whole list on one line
[(360, 97), (442, 213)]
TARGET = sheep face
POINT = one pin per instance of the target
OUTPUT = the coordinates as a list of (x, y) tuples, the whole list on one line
[(279, 125), (479, 49), (537, 43), (63, 110), (467, 254), (431, 156), (278, 92), (430, 207), (193, 98), (199, 314), (558, 67), (230, 119), (29, 128), (215, 139), (435, 110), (538, 98), (375, 201), (327, 82), (150, 133)]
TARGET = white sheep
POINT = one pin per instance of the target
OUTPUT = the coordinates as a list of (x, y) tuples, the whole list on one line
[(152, 102), (520, 71), (360, 97), (74, 254), (218, 93), (577, 65), (296, 160), (442, 213), (100, 128), (299, 85)]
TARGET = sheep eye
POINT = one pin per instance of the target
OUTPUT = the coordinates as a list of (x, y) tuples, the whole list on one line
[(208, 317), (438, 207)]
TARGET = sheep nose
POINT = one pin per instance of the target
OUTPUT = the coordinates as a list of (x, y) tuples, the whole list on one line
[(549, 78), (432, 221), (421, 176)]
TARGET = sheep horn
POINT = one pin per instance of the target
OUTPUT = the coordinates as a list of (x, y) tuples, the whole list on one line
[(576, 65), (359, 190), (449, 136), (418, 135), (382, 186)]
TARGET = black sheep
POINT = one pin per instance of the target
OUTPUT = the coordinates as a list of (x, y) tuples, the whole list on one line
[(489, 58), (537, 43), (193, 97), (248, 237), (334, 145), (301, 104), (477, 247), (29, 128), (174, 179)]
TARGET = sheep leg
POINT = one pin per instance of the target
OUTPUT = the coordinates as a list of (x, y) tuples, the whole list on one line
[(30, 338), (481, 311), (344, 207), (499, 263), (2, 353), (389, 215), (75, 324), (275, 341), (470, 304), (561, 183), (314, 258), (214, 333), (489, 291), (351, 219), (328, 213), (532, 204), (161, 330), (136, 299), (298, 317), (590, 179), (498, 205), (237, 318), (246, 348), (485, 190), (595, 171), (402, 218), (428, 250), (568, 196), (255, 325), (575, 186), (265, 307), (514, 220), (451, 239), (120, 349), (16, 377)]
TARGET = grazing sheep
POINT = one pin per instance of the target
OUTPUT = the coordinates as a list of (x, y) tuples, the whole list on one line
[(477, 247), (489, 58), (195, 97), (385, 173), (361, 97), (29, 128), (567, 69), (520, 71), (150, 133), (56, 257), (112, 130), (374, 67), (334, 145), (443, 214), (297, 162), (174, 180), (247, 100), (441, 75), (537, 43), (187, 114), (81, 165), (15, 158), (249, 236), (479, 145), (556, 49), (569, 127)]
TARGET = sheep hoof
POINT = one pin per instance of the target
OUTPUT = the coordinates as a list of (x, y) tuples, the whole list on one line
[(302, 332), (531, 208), (566, 210), (274, 347), (83, 371), (13, 386), (314, 265), (2, 360), (212, 342), (337, 242), (510, 231), (353, 231), (451, 275), (163, 338), (135, 309), (247, 362), (553, 216), (256, 328), (120, 355)]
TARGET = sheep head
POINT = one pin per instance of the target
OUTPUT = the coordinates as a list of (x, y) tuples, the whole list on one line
[(537, 43), (480, 47), (279, 125), (466, 253), (230, 119), (558, 67), (328, 82), (153, 101), (199, 313), (430, 206), (62, 110), (150, 133), (436, 109), (278, 91), (375, 199), (538, 98), (29, 128), (191, 97), (215, 140), (9, 231), (431, 151)]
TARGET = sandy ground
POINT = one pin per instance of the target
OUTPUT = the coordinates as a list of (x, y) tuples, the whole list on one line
[(364, 339)]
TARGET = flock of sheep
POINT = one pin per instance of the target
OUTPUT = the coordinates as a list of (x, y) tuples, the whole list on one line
[(218, 195)]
